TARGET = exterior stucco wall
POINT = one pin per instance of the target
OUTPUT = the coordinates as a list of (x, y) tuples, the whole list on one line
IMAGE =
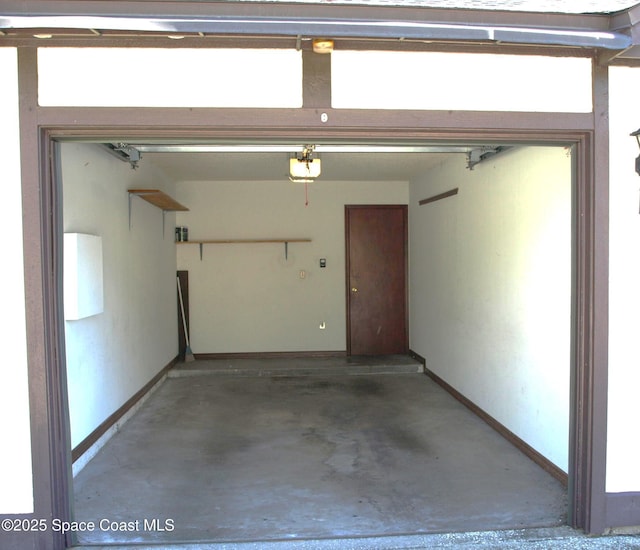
[(15, 432), (623, 448)]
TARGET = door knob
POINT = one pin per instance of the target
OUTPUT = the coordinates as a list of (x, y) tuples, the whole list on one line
[(354, 289)]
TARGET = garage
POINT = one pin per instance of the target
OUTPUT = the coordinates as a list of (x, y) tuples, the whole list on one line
[(488, 287), (506, 248)]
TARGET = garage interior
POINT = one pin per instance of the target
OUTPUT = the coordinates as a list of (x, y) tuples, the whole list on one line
[(275, 431)]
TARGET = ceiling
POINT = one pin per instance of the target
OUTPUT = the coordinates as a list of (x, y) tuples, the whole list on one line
[(275, 166)]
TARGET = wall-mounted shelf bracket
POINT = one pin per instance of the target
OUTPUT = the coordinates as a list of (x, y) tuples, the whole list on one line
[(159, 199), (439, 197)]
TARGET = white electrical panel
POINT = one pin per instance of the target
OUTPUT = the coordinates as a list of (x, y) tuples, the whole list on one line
[(83, 285)]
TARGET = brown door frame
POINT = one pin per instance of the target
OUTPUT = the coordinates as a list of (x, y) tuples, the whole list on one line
[(347, 208), (587, 133)]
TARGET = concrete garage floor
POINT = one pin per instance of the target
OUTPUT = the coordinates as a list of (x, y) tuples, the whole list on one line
[(251, 452)]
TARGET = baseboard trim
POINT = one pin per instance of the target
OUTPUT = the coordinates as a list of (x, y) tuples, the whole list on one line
[(623, 509), (418, 358), (523, 446), (271, 355), (88, 442)]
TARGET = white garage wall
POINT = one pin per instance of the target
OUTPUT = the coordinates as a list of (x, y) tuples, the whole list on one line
[(490, 288), (16, 496), (110, 356), (247, 297), (623, 448)]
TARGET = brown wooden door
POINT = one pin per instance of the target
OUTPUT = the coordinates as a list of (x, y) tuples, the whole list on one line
[(376, 246)]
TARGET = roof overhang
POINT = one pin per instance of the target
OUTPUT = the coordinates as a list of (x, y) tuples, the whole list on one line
[(617, 34), (627, 22)]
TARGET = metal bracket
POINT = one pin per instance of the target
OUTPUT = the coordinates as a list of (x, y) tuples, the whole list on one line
[(476, 156), (124, 152)]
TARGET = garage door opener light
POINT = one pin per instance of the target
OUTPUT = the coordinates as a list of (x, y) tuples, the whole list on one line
[(303, 168)]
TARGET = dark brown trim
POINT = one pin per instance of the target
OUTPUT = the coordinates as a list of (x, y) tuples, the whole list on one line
[(481, 127), (96, 434), (418, 358), (441, 196), (623, 509), (272, 355), (600, 293), (316, 80), (523, 446), (347, 267), (585, 191), (590, 375), (183, 276), (85, 39)]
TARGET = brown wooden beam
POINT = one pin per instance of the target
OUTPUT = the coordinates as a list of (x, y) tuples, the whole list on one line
[(316, 80), (191, 123), (593, 383), (438, 197)]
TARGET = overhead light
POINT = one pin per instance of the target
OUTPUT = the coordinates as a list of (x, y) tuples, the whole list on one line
[(303, 168), (637, 136), (175, 36), (322, 45), (43, 36)]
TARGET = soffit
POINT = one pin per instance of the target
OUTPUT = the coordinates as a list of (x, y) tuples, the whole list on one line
[(539, 6), (584, 26), (432, 20)]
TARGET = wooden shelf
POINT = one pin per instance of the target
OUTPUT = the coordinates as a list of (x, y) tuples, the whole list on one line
[(160, 199), (235, 241), (284, 241)]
